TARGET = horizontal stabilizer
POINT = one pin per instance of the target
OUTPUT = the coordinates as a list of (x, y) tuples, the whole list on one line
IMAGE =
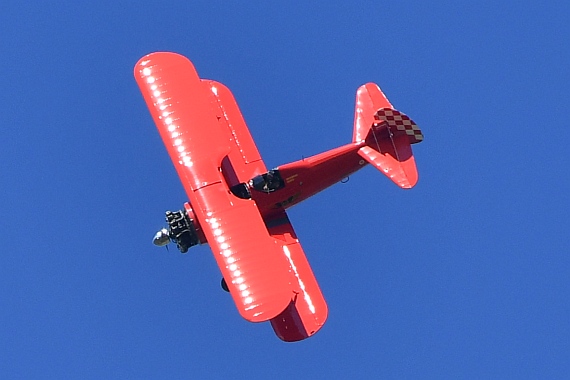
[(402, 172), (387, 134)]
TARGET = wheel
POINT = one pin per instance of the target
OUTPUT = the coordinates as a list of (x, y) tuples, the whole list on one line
[(225, 285)]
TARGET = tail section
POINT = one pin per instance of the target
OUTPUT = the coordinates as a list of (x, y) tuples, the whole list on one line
[(388, 135)]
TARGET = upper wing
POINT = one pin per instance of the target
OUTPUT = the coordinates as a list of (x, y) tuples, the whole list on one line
[(245, 159), (251, 261)]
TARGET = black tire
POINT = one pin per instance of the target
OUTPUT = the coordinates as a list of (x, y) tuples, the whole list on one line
[(225, 285)]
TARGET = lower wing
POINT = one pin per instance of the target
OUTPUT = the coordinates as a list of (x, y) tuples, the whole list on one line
[(252, 262), (307, 311)]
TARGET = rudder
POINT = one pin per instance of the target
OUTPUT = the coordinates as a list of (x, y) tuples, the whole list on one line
[(387, 134)]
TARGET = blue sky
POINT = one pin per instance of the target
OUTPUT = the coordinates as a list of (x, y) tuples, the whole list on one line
[(464, 276)]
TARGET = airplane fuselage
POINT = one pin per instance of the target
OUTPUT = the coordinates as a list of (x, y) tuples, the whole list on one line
[(307, 177)]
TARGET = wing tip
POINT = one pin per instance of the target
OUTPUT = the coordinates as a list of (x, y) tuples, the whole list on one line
[(291, 326), (143, 66)]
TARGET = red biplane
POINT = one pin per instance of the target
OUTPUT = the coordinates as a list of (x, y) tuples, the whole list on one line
[(237, 206)]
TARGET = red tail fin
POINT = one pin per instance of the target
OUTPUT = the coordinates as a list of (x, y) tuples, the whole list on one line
[(388, 135)]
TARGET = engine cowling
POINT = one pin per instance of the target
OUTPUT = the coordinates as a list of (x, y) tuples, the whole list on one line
[(183, 230)]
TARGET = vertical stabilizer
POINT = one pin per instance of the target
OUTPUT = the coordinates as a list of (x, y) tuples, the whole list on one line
[(388, 135)]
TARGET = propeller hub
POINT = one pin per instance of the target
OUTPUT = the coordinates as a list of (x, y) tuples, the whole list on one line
[(161, 238)]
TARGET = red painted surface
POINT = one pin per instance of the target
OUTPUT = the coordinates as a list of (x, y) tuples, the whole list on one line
[(250, 260), (307, 177), (308, 311), (376, 140), (251, 238), (244, 156)]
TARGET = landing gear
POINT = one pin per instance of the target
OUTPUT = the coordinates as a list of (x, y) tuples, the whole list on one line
[(225, 285), (181, 231)]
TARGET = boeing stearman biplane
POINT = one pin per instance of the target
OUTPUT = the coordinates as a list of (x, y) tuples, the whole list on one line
[(237, 206)]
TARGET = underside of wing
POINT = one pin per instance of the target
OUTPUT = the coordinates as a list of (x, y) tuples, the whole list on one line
[(199, 144), (251, 261), (307, 311)]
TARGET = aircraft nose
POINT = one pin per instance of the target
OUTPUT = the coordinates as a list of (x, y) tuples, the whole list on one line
[(161, 238)]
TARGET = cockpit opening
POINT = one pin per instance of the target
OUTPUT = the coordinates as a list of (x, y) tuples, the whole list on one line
[(241, 190), (268, 182)]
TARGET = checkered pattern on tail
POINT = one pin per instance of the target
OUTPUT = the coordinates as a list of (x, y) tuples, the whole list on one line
[(397, 121)]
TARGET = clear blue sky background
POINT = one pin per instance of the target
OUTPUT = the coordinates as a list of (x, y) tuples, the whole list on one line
[(465, 276)]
